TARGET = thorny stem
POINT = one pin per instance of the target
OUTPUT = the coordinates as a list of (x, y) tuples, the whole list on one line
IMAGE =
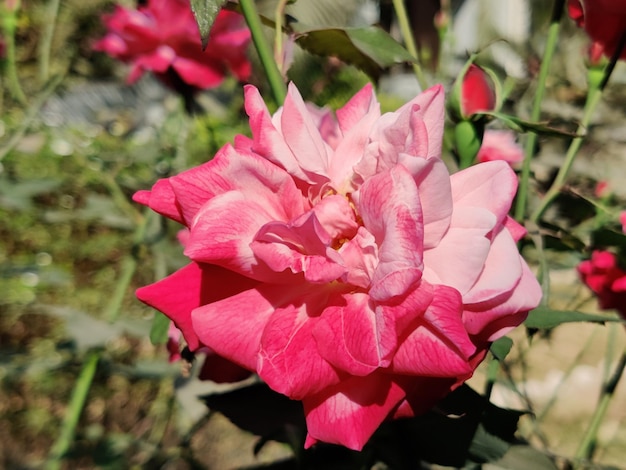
[(409, 41), (275, 79), (593, 98), (531, 141)]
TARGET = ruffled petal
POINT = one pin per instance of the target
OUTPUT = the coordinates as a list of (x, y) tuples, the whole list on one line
[(348, 413), (390, 208)]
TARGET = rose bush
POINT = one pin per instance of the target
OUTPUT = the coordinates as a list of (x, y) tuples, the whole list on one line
[(604, 21), (163, 37), (335, 256)]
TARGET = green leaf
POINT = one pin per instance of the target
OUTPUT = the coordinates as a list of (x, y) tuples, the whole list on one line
[(522, 457), (608, 237), (501, 348), (544, 318), (368, 48), (205, 12), (521, 125), (159, 328)]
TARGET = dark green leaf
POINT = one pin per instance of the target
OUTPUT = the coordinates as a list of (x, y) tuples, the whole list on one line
[(543, 318), (205, 12), (606, 237), (159, 328), (523, 457), (501, 348), (487, 447), (369, 48)]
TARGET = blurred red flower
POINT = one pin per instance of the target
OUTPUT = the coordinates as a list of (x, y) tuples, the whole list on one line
[(163, 37), (604, 21), (606, 279)]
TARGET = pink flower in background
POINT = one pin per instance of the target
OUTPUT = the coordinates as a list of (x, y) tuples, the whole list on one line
[(477, 92), (335, 256), (163, 37), (606, 279), (500, 145), (604, 21)]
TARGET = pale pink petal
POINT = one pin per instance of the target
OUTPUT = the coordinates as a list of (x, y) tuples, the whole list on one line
[(222, 232), (459, 258), (245, 172), (302, 136), (495, 318), (433, 183), (490, 185), (302, 246), (493, 280), (349, 413), (268, 142), (360, 256), (389, 206)]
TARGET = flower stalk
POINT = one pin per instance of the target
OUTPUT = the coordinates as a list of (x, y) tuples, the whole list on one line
[(531, 141), (409, 41), (274, 77), (75, 408)]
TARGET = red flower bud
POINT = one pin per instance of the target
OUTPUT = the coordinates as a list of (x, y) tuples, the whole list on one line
[(477, 92)]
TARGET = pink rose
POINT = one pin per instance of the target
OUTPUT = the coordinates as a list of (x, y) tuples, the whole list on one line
[(606, 279), (335, 256), (604, 21), (500, 145), (163, 37), (477, 92)]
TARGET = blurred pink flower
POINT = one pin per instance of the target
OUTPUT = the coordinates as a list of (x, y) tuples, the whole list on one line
[(334, 255), (622, 220), (500, 145), (477, 92), (163, 37), (604, 21), (606, 279)]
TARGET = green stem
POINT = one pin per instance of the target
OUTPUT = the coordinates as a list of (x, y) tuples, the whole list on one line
[(587, 445), (593, 98), (31, 115), (409, 41), (45, 46), (129, 266), (75, 408), (279, 90), (531, 141), (9, 25)]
